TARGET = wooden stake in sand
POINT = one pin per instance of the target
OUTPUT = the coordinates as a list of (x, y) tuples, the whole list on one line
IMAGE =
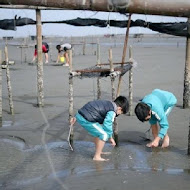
[(115, 125), (71, 132), (188, 151), (130, 83), (186, 92), (84, 47), (40, 86), (98, 63), (124, 53), (0, 91), (9, 82)]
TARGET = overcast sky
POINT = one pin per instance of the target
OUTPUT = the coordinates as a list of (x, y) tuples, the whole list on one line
[(68, 30)]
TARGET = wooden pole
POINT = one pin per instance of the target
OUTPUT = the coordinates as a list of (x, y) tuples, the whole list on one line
[(124, 53), (9, 82), (112, 77), (186, 91), (115, 125), (84, 47), (40, 86), (25, 46), (130, 84), (98, 64), (188, 151), (0, 90), (71, 114)]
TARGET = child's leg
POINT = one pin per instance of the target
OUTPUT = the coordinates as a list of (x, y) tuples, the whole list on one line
[(99, 145), (105, 153), (166, 141), (154, 130), (46, 57)]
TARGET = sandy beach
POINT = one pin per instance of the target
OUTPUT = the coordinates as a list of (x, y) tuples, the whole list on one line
[(33, 144)]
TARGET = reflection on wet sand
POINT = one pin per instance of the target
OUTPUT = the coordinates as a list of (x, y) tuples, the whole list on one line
[(124, 159)]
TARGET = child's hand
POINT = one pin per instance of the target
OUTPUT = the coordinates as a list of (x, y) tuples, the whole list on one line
[(154, 143), (112, 141), (72, 121)]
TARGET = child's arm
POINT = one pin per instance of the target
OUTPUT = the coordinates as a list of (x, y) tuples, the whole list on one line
[(108, 123)]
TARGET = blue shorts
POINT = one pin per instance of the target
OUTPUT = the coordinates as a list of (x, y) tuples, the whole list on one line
[(94, 128)]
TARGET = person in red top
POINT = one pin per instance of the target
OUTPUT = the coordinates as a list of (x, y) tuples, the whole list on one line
[(45, 50)]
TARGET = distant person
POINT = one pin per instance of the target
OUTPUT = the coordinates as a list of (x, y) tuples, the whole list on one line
[(155, 108), (97, 118), (45, 50), (63, 51)]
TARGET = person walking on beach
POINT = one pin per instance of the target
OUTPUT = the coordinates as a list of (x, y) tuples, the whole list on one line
[(63, 51), (45, 50), (155, 107), (97, 118)]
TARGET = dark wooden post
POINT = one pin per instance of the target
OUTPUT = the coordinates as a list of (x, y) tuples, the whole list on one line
[(186, 91), (40, 85)]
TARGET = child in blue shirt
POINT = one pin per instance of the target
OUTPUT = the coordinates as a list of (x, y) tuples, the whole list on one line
[(97, 118), (155, 108)]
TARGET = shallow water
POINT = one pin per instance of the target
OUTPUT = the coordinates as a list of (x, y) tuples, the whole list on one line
[(54, 166)]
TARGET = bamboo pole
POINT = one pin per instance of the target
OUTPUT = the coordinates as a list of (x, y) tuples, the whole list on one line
[(0, 90), (186, 91), (40, 86), (98, 64), (9, 82), (124, 53), (71, 113), (130, 84)]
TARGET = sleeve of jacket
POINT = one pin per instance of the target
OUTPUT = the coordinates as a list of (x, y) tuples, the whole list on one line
[(108, 123)]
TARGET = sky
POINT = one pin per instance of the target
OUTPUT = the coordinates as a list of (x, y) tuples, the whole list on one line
[(65, 30)]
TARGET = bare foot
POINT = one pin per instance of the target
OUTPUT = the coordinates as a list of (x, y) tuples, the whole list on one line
[(106, 153), (166, 142), (100, 159)]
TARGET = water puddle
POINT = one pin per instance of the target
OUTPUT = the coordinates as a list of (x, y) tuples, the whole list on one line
[(55, 165)]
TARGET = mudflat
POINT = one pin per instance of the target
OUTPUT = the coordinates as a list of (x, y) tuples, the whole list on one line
[(33, 144)]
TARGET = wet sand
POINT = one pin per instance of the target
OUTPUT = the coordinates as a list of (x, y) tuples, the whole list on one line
[(34, 151)]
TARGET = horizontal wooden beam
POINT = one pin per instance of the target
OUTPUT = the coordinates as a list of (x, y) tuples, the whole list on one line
[(179, 8)]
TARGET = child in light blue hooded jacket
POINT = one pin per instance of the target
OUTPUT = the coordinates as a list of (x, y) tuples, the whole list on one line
[(155, 108)]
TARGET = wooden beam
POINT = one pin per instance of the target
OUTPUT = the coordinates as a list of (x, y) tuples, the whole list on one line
[(179, 8)]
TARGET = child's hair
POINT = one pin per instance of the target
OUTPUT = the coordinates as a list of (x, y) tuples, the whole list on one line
[(58, 47), (122, 102), (142, 111)]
